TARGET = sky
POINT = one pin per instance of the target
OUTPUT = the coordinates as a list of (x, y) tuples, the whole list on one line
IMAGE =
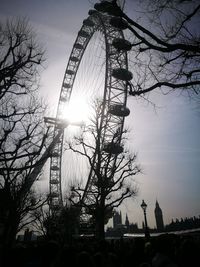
[(166, 139)]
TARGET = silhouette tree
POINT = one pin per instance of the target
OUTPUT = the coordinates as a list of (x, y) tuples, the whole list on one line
[(19, 60), (60, 226), (39, 218), (111, 178), (164, 43), (22, 131)]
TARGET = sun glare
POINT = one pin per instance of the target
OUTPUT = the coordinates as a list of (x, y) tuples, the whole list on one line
[(77, 111)]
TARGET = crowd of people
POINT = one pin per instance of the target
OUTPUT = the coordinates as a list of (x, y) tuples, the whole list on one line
[(163, 251)]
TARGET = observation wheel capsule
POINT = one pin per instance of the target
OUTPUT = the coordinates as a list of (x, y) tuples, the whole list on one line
[(119, 110)]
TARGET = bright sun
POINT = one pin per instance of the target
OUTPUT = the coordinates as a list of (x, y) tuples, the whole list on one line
[(77, 111)]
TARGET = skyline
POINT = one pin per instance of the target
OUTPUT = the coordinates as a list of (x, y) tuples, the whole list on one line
[(166, 139)]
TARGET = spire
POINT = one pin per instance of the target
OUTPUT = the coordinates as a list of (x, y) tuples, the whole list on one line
[(157, 204), (117, 219), (159, 217), (127, 220)]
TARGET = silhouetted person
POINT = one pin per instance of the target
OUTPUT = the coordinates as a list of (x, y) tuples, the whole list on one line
[(84, 259), (49, 253), (188, 254), (164, 252), (99, 260)]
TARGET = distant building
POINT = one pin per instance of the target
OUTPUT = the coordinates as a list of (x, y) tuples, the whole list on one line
[(159, 217), (133, 228), (117, 219), (127, 222), (28, 235)]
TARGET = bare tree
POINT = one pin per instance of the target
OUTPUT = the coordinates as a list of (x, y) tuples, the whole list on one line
[(23, 141), (20, 57), (165, 45), (39, 220), (22, 133), (111, 178)]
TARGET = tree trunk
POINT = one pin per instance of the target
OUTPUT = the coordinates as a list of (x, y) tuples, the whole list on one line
[(10, 229), (101, 229), (100, 233), (100, 222)]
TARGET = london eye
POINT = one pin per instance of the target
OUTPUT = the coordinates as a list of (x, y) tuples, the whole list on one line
[(97, 67)]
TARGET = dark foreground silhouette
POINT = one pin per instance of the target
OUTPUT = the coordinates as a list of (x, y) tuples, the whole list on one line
[(162, 251)]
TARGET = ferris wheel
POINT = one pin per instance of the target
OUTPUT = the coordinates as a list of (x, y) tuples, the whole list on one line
[(104, 31)]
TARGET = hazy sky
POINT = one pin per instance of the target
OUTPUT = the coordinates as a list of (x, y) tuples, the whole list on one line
[(167, 140)]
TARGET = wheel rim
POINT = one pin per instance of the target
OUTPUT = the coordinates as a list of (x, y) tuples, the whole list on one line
[(114, 93)]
